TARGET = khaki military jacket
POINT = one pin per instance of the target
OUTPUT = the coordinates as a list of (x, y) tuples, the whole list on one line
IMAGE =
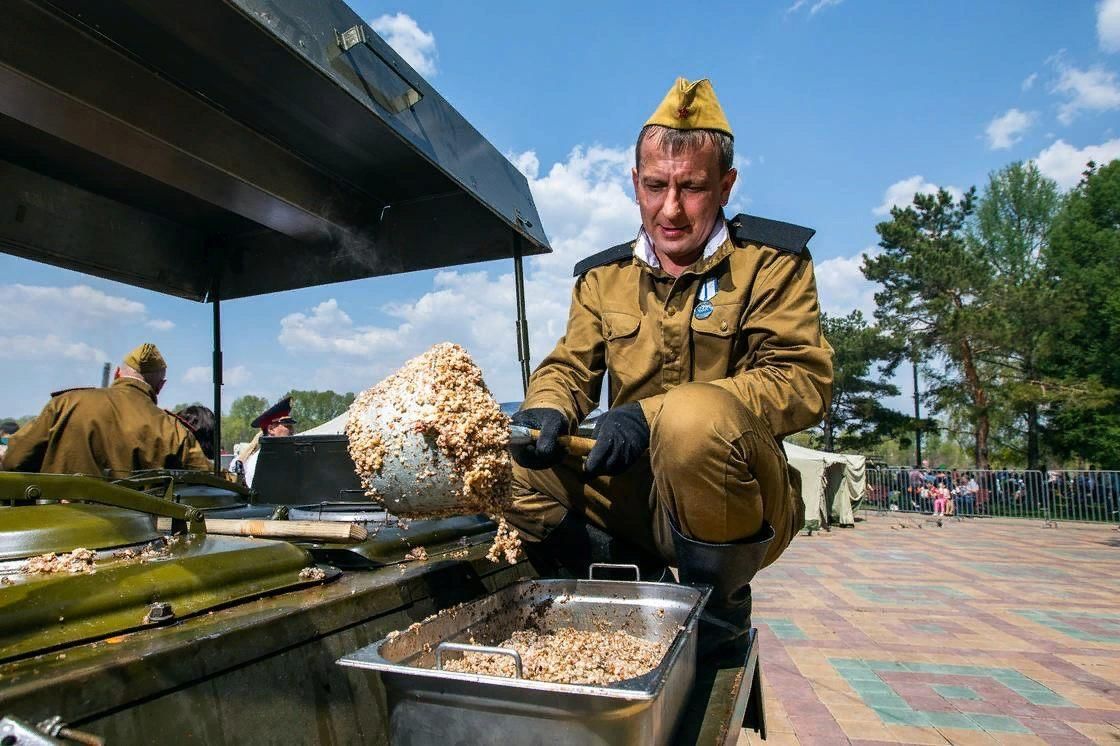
[(635, 324), (119, 429)]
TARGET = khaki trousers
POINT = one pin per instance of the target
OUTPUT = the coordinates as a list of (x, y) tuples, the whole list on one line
[(713, 467)]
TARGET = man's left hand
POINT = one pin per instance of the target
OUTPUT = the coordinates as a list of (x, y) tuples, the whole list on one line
[(621, 437)]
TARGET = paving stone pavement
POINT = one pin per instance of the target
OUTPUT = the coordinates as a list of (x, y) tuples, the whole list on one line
[(979, 631)]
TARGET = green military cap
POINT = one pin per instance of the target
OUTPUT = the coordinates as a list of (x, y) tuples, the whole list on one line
[(145, 359), (691, 106)]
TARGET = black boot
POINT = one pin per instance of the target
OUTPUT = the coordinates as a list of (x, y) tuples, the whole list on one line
[(729, 569), (569, 550)]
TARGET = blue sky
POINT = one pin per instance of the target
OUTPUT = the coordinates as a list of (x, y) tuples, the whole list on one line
[(840, 108)]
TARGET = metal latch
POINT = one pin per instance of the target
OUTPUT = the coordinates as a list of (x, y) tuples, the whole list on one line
[(387, 86), (351, 37)]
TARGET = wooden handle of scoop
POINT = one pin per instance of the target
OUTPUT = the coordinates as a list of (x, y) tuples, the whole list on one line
[(573, 443), (323, 530)]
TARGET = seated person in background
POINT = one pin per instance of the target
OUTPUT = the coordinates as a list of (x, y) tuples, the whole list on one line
[(108, 432), (275, 422), (200, 420)]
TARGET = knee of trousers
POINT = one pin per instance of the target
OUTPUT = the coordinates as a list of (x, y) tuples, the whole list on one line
[(698, 418), (719, 469)]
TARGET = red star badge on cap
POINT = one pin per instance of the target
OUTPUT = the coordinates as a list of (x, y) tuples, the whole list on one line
[(684, 112)]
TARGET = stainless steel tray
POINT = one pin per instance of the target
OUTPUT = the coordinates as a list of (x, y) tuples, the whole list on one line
[(428, 705)]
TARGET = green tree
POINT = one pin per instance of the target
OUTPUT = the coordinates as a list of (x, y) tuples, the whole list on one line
[(313, 408), (1084, 262), (248, 407), (235, 425), (933, 282), (1011, 229), (863, 357)]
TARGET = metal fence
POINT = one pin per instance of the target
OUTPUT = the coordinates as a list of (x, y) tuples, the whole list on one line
[(1054, 495)]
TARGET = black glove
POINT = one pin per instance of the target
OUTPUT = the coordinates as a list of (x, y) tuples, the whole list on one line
[(621, 437), (547, 451)]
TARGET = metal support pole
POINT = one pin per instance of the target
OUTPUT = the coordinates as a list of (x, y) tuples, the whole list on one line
[(215, 298), (522, 325), (917, 416)]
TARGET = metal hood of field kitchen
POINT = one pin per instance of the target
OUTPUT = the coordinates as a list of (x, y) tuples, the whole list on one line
[(236, 147)]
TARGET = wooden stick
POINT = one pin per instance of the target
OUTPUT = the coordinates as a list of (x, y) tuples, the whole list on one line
[(573, 443), (324, 530)]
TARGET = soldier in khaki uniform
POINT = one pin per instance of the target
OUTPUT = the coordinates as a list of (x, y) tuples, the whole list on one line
[(708, 332), (112, 431)]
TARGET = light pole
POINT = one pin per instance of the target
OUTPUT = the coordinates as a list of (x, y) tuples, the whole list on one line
[(917, 410)]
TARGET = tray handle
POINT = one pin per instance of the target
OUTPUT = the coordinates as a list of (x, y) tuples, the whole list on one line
[(518, 671), (613, 566)]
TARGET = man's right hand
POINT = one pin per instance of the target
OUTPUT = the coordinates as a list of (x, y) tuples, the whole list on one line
[(546, 452)]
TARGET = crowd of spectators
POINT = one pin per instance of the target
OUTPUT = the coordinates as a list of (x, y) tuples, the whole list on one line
[(1074, 493)]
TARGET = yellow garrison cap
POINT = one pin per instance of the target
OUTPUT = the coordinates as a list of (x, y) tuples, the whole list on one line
[(145, 359), (691, 106)]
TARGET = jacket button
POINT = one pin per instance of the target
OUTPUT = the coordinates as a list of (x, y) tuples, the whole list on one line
[(723, 326), (671, 311)]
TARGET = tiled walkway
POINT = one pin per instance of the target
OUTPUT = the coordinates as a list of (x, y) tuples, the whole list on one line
[(978, 631)]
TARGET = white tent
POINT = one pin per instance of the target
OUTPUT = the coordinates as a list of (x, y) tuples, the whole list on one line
[(831, 485)]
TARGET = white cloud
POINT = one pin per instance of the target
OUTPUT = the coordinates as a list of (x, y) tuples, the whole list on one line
[(901, 193), (1108, 25), (200, 374), (60, 322), (329, 329), (1007, 129), (402, 33), (1094, 89), (77, 306), (814, 8), (27, 347), (585, 204), (841, 286), (1064, 163), (1028, 82)]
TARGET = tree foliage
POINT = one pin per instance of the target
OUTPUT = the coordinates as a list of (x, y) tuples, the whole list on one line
[(313, 408), (863, 357), (1084, 265), (933, 284), (235, 425), (1020, 305)]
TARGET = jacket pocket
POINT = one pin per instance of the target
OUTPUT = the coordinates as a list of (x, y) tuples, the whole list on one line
[(620, 330), (713, 342), (617, 326)]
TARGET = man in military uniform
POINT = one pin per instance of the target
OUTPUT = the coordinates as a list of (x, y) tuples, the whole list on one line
[(112, 431), (274, 422), (708, 332)]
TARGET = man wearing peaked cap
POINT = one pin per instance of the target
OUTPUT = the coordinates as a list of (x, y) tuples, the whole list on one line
[(108, 432), (707, 332), (274, 422)]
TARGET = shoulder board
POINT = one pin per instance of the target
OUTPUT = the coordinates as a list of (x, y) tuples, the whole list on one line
[(67, 391), (774, 233), (613, 254)]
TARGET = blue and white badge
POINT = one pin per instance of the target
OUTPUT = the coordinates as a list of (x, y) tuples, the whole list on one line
[(704, 308)]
